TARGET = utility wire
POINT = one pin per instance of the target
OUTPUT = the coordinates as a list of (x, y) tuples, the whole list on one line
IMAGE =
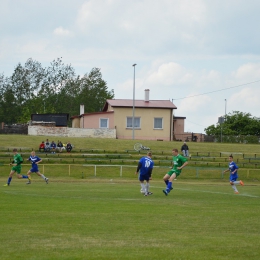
[(219, 90), (194, 123)]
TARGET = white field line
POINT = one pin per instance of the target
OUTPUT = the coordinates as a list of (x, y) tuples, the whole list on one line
[(156, 187), (212, 192)]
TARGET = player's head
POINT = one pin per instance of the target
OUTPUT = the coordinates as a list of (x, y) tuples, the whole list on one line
[(149, 154), (33, 153), (14, 150), (175, 151), (230, 157)]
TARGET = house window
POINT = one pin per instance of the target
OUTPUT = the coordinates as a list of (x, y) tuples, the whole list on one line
[(137, 123), (103, 122), (158, 123)]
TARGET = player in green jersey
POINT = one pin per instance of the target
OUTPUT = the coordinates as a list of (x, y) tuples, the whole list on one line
[(179, 162), (16, 167)]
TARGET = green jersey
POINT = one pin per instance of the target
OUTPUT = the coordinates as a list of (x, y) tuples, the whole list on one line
[(18, 159), (178, 161)]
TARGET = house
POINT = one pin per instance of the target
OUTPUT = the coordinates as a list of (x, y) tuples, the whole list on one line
[(153, 119)]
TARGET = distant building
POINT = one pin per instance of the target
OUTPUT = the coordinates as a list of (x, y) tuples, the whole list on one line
[(58, 119), (153, 119)]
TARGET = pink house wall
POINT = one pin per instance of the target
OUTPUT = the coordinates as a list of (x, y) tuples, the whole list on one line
[(178, 126), (93, 120)]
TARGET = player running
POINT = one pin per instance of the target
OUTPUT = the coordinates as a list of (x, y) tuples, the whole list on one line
[(16, 167), (179, 162), (232, 168), (35, 160)]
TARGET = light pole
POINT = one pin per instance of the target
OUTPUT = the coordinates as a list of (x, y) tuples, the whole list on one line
[(225, 109), (221, 121), (133, 118)]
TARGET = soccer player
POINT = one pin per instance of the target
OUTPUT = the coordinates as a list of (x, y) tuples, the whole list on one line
[(35, 160), (16, 167), (179, 162), (145, 165), (232, 168)]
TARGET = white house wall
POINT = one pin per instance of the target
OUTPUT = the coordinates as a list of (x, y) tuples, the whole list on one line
[(71, 132)]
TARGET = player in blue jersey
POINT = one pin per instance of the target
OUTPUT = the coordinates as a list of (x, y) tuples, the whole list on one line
[(233, 168), (35, 160), (145, 165)]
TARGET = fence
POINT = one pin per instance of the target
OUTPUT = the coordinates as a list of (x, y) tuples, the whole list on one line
[(198, 137), (127, 171)]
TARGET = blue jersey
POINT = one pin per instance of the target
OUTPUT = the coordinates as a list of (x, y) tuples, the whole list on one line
[(34, 160), (146, 165), (232, 167)]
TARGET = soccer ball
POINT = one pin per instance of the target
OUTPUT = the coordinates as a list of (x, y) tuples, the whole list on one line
[(142, 191)]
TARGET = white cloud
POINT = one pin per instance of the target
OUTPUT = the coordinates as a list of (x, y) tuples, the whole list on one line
[(247, 71), (247, 99), (60, 31), (168, 73)]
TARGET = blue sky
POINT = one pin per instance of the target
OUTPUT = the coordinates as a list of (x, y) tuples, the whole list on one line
[(182, 49)]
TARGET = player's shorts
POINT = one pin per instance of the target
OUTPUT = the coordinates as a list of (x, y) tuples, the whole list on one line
[(233, 177), (17, 169), (144, 177), (34, 169), (172, 171)]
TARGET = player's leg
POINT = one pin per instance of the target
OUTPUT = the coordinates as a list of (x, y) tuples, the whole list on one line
[(18, 170), (19, 175), (232, 183), (29, 177), (166, 178), (42, 175), (10, 177), (148, 185), (169, 186), (239, 182), (143, 187)]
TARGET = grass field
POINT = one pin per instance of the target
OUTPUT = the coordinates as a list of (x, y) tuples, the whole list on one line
[(98, 212), (104, 218), (122, 145)]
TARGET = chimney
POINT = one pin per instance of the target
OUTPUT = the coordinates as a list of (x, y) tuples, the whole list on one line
[(81, 109), (146, 95)]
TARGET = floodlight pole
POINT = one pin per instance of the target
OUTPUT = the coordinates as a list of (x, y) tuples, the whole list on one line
[(225, 109), (133, 118), (221, 121), (221, 133)]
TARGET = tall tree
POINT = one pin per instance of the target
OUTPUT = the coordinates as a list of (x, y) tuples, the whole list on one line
[(57, 75), (94, 91)]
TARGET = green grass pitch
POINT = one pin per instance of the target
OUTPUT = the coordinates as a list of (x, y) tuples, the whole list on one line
[(87, 217)]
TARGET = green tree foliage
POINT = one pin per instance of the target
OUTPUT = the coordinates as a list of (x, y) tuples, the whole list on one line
[(93, 91), (237, 127), (55, 89)]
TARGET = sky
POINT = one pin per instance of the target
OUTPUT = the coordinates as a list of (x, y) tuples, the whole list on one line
[(203, 55)]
